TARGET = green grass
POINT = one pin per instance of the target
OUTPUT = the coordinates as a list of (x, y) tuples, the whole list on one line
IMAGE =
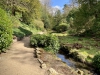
[(89, 49), (33, 30)]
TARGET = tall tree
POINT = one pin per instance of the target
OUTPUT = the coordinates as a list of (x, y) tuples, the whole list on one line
[(46, 16), (33, 11), (57, 18), (66, 10), (87, 16)]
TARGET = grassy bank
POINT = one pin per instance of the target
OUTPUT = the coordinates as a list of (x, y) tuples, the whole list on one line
[(89, 46)]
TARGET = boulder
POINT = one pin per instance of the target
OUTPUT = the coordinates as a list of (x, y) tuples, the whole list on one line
[(41, 62), (38, 55), (38, 52), (43, 66), (53, 72), (79, 72)]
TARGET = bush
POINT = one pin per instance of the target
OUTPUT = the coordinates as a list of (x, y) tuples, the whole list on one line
[(38, 24), (61, 28), (21, 32), (49, 42), (26, 32), (96, 62), (18, 33), (5, 30)]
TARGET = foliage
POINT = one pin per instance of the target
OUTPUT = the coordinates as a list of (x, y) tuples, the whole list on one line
[(90, 45), (29, 9), (25, 31), (18, 33), (57, 19), (15, 21), (66, 10), (61, 28), (46, 19), (71, 15), (30, 28), (33, 11), (82, 21), (49, 42), (96, 62), (5, 30), (47, 23), (85, 17), (39, 25)]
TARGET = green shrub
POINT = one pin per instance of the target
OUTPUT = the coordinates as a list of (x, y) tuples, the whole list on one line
[(21, 32), (38, 24), (61, 28), (96, 62), (49, 42), (5, 30), (26, 32), (18, 33)]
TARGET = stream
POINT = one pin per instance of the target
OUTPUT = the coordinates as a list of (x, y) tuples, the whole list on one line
[(73, 64), (67, 61)]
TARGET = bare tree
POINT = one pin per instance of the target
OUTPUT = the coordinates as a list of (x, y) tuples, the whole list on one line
[(74, 3)]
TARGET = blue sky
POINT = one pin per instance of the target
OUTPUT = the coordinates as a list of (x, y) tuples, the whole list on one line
[(59, 3)]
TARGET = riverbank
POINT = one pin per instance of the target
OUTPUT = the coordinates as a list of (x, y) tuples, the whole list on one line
[(81, 48), (87, 69), (52, 61), (57, 63)]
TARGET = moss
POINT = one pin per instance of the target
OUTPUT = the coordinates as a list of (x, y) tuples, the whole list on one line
[(87, 52)]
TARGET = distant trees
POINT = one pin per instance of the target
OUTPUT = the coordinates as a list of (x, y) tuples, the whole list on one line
[(46, 16), (30, 9), (57, 18), (33, 11), (86, 17), (66, 10)]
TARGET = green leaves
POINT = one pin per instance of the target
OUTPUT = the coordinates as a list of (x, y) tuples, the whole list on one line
[(33, 11), (96, 61), (5, 30), (85, 17), (61, 28), (49, 42)]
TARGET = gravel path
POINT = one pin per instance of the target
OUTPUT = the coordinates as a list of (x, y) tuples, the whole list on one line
[(19, 60)]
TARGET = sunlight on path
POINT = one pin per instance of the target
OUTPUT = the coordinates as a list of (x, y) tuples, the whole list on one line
[(19, 60)]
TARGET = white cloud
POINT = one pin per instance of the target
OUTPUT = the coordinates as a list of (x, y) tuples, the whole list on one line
[(53, 9), (58, 7)]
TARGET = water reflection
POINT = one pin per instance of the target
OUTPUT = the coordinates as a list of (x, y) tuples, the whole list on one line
[(67, 61)]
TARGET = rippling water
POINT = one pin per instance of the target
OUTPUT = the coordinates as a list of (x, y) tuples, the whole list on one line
[(67, 61)]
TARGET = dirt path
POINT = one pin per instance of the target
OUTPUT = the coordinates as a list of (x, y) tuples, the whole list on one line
[(19, 60)]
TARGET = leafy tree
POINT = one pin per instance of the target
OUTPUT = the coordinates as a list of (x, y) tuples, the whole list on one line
[(57, 18), (30, 9), (46, 20), (96, 62), (33, 11), (66, 10), (46, 16), (5, 30), (87, 16)]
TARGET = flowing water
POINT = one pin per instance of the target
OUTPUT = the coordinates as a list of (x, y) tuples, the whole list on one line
[(75, 64), (67, 61)]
